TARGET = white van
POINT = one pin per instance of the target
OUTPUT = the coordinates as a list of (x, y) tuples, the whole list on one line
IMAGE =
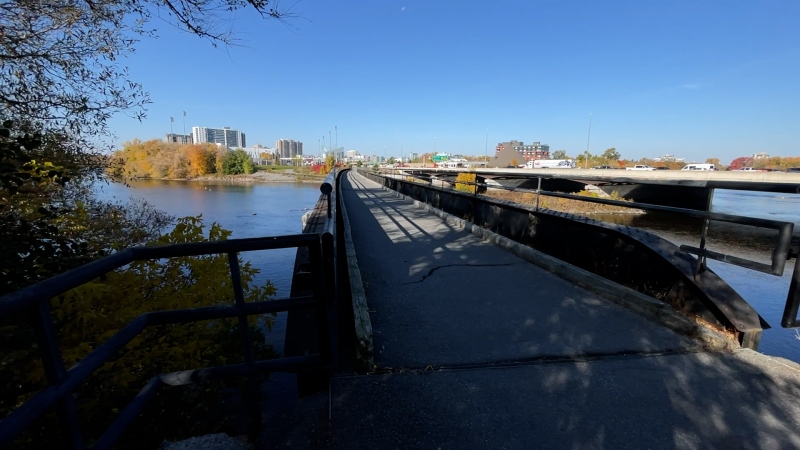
[(699, 167), (550, 164)]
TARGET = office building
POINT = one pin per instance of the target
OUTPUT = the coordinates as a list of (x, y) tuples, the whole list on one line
[(530, 152), (288, 148), (178, 138), (221, 136)]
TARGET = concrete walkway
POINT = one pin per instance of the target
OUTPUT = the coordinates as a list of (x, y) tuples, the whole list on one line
[(477, 349)]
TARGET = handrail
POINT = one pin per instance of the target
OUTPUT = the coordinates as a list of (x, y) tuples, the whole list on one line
[(780, 253), (62, 382)]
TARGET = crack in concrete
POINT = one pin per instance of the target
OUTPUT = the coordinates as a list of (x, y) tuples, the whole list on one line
[(430, 272)]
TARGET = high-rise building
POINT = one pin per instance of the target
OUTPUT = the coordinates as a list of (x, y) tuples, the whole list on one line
[(536, 150), (178, 138), (287, 148), (222, 136)]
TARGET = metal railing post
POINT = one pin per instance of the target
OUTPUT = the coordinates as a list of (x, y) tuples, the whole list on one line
[(315, 250), (55, 372), (538, 192), (793, 298), (254, 394), (701, 259)]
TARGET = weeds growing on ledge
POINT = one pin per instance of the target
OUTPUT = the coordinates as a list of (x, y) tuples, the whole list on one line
[(564, 204)]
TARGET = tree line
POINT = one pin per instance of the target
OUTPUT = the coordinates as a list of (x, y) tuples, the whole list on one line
[(159, 159)]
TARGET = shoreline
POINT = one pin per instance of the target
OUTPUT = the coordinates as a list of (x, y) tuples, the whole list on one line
[(256, 177)]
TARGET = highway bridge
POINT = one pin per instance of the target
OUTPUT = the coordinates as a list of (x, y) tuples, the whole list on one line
[(680, 188)]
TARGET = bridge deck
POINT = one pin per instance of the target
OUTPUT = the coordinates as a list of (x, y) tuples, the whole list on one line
[(476, 348)]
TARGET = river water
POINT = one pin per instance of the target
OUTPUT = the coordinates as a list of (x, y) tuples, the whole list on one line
[(270, 209), (247, 209)]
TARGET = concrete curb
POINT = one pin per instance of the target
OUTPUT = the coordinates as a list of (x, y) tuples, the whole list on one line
[(635, 301), (363, 361)]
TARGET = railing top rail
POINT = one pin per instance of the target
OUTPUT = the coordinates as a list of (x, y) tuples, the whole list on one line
[(327, 186), (47, 289)]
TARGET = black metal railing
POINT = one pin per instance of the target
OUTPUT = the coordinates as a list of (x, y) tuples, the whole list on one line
[(781, 252), (62, 382)]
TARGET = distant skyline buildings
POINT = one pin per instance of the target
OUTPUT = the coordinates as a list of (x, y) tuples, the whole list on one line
[(223, 136), (288, 148), (179, 138), (537, 150)]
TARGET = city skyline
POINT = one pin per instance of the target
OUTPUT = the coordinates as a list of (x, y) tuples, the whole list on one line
[(714, 79)]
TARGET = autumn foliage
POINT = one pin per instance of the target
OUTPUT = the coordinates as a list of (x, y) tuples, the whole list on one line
[(775, 163), (159, 159)]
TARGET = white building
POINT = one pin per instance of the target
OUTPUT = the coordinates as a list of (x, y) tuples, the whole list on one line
[(221, 136)]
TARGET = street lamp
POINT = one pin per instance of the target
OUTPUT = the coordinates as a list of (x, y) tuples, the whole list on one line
[(586, 163), (486, 148)]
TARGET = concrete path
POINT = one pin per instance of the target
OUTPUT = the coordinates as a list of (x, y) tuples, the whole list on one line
[(479, 349)]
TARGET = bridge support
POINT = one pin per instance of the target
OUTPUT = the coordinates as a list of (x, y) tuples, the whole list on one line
[(690, 197)]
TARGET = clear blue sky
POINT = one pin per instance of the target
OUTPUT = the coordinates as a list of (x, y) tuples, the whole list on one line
[(696, 79)]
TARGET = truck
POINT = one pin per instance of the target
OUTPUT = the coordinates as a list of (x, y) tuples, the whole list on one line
[(550, 164), (695, 166), (640, 167)]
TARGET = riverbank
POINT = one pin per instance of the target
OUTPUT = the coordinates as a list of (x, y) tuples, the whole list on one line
[(262, 176)]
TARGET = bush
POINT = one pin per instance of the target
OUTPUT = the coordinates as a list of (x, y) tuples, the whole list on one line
[(90, 314)]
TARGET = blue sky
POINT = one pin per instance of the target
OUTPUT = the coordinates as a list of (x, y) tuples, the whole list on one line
[(696, 79)]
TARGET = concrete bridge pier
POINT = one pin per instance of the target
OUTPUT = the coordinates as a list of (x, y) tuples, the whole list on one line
[(691, 197)]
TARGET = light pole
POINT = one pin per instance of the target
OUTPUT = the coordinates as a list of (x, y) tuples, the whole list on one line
[(170, 127), (434, 146), (486, 149), (184, 125), (336, 127), (589, 135)]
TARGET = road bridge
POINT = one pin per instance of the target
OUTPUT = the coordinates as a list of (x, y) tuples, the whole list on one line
[(679, 188)]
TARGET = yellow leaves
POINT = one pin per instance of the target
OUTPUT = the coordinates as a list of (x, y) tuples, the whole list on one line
[(92, 313)]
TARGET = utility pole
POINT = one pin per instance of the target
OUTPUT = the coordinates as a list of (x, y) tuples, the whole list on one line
[(586, 163), (486, 149)]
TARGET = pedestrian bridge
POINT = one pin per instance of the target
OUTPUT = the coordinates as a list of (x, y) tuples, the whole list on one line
[(431, 314)]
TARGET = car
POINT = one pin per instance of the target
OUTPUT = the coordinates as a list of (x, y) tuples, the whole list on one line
[(793, 169), (640, 167), (662, 168), (748, 169), (602, 167)]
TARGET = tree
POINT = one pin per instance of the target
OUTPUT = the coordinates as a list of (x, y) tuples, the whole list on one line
[(113, 301), (330, 160), (62, 66), (237, 162), (611, 154), (560, 154), (740, 162)]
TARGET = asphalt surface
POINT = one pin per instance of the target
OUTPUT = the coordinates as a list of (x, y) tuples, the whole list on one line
[(477, 349)]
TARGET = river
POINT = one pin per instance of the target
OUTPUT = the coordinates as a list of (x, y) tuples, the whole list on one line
[(247, 209), (269, 209)]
